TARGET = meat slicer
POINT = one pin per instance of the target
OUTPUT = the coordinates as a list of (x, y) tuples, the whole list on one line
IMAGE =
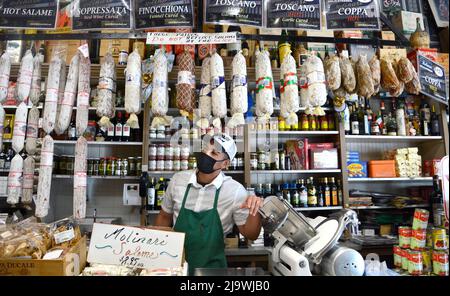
[(304, 246)]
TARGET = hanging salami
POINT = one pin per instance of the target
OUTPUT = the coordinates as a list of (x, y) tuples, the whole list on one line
[(23, 86), (186, 83), (2, 120), (70, 91), (52, 92), (218, 92), (84, 90), (317, 91), (133, 81), (35, 91), (289, 100), (20, 127), (239, 99), (332, 72), (28, 179), (32, 131), (45, 177), (15, 180), (5, 69), (204, 102), (105, 89), (80, 179), (160, 94), (62, 86), (264, 85)]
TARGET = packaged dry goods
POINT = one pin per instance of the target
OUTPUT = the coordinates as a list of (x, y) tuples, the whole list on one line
[(389, 80), (332, 72), (375, 69), (160, 96), (108, 270), (347, 73), (5, 69), (35, 91), (365, 85), (105, 91), (186, 83), (133, 84), (239, 100), (289, 100), (65, 233), (25, 77), (84, 90), (62, 86), (70, 92)]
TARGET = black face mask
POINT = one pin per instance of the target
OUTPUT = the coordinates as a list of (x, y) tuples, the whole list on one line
[(205, 163)]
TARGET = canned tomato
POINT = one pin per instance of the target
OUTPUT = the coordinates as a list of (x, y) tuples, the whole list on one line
[(397, 257), (418, 239), (404, 236), (405, 260), (420, 219), (415, 265), (440, 263), (426, 261), (439, 239)]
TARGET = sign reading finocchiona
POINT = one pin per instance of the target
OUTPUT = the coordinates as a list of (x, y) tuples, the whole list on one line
[(35, 14), (164, 14)]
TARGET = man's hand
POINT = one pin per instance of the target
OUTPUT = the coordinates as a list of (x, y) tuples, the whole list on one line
[(253, 203)]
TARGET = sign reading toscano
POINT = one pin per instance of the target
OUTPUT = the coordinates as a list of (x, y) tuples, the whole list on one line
[(37, 14), (300, 14), (234, 12), (352, 14), (135, 247), (102, 14), (164, 13)]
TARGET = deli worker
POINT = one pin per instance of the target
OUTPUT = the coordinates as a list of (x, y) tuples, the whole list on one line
[(205, 204)]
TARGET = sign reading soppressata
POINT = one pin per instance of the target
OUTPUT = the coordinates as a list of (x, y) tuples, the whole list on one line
[(101, 14), (432, 79), (164, 14), (352, 14), (300, 14), (135, 247), (234, 12), (35, 14), (190, 38)]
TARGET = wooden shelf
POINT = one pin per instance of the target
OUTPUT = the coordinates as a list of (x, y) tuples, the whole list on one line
[(388, 207), (99, 177), (357, 180), (297, 171), (319, 209), (355, 138)]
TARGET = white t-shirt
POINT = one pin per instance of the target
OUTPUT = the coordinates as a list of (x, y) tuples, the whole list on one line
[(232, 195)]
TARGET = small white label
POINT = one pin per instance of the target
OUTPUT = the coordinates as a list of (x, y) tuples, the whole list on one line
[(84, 49), (6, 234), (184, 77), (64, 236), (83, 99), (53, 255)]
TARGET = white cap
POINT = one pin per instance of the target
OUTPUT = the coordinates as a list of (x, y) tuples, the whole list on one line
[(227, 143)]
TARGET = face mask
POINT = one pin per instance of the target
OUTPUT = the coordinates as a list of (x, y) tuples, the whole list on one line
[(205, 163)]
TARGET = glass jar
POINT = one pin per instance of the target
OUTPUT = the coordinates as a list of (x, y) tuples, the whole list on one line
[(160, 151), (90, 170), (184, 164), (168, 165), (138, 166), (160, 132), (63, 165), (160, 165), (176, 164), (124, 167), (152, 133), (152, 164), (240, 162), (152, 150), (102, 166), (167, 131), (118, 170), (110, 167), (96, 167), (91, 131), (176, 152), (192, 163), (254, 161), (261, 160), (185, 152), (168, 152), (69, 165), (132, 166)]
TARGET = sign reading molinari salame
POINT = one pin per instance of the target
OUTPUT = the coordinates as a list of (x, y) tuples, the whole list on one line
[(163, 14), (101, 14), (352, 14), (432, 79), (299, 14), (36, 14), (237, 12)]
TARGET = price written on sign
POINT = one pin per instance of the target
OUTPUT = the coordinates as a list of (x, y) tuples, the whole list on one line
[(135, 247), (190, 38)]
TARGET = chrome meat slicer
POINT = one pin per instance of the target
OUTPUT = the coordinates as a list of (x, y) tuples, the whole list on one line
[(305, 246)]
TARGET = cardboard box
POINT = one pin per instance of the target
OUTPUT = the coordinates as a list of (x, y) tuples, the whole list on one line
[(357, 169), (70, 46), (392, 55), (388, 35), (116, 44), (70, 265), (430, 53), (297, 150), (406, 21), (324, 158)]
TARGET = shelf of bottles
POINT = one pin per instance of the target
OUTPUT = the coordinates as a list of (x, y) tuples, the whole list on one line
[(105, 143), (319, 171), (99, 177), (417, 179), (389, 207)]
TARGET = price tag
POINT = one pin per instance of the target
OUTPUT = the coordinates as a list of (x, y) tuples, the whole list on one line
[(84, 49), (64, 236)]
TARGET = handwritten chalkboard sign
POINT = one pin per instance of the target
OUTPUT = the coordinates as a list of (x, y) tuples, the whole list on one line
[(38, 14), (432, 79), (164, 14), (352, 14), (301, 14), (101, 14), (135, 247), (234, 12)]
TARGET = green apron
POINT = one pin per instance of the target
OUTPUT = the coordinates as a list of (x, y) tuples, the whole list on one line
[(204, 244)]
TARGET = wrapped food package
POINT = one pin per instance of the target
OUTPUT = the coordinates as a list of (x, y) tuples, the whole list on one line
[(218, 92), (347, 74), (80, 179), (160, 95), (332, 72), (133, 82), (105, 91), (32, 131), (289, 99), (365, 83), (186, 83), (20, 127), (405, 70), (239, 100), (374, 64), (204, 102), (389, 80), (28, 179), (2, 120), (414, 87)]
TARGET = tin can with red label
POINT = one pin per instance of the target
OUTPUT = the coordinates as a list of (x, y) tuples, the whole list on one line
[(427, 168), (418, 239), (415, 265), (405, 259), (420, 220), (435, 167), (397, 257), (439, 239), (440, 263), (426, 261), (404, 236)]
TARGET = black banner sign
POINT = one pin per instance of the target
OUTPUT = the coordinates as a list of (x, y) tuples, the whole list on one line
[(234, 12), (33, 14), (101, 14), (164, 14), (300, 14), (432, 79), (352, 14)]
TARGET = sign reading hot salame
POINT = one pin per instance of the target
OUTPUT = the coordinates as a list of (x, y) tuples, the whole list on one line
[(289, 14), (352, 14), (164, 14), (101, 14), (33, 14)]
